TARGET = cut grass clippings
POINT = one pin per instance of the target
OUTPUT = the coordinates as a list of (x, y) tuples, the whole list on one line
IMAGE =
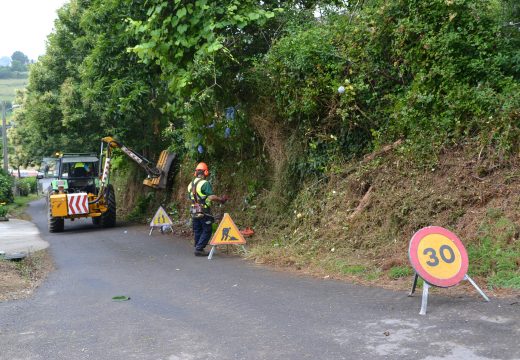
[(18, 279), (321, 236)]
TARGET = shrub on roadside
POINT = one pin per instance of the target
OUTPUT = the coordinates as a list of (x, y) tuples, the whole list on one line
[(26, 186), (432, 72), (6, 188), (3, 210)]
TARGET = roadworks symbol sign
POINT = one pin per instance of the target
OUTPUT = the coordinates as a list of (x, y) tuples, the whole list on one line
[(227, 233), (161, 218)]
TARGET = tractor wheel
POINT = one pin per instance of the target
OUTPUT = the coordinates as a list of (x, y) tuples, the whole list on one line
[(56, 224), (96, 220), (108, 219)]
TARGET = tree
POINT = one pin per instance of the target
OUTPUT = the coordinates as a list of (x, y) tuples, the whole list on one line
[(21, 57), (19, 61), (124, 94), (88, 86)]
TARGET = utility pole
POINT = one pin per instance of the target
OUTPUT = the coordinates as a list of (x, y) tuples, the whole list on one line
[(4, 137), (4, 133)]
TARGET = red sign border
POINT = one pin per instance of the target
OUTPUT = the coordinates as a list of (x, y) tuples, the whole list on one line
[(414, 260)]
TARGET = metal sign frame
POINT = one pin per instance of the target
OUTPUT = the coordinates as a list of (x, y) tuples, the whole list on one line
[(426, 287)]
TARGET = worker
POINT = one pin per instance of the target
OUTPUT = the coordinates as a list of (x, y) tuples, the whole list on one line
[(80, 170), (201, 195)]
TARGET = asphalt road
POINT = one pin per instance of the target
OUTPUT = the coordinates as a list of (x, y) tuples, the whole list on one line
[(184, 308)]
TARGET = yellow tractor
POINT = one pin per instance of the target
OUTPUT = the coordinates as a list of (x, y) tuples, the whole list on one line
[(82, 189)]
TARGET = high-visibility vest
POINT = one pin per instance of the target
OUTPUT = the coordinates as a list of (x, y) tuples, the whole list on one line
[(202, 199)]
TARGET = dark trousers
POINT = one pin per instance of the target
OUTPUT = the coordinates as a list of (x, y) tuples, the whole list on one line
[(202, 232)]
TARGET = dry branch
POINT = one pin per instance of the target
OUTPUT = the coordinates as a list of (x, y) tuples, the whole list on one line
[(382, 151), (362, 204)]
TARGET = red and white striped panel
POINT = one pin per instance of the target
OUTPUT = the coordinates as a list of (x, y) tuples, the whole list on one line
[(78, 203)]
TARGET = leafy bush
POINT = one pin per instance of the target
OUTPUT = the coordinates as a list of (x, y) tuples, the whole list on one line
[(6, 188), (26, 186), (302, 72), (302, 69), (3, 210), (457, 67), (432, 72)]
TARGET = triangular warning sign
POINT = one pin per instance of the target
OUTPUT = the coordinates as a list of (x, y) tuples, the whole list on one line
[(161, 218), (227, 233)]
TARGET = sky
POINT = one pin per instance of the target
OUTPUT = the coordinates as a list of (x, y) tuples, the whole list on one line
[(25, 24)]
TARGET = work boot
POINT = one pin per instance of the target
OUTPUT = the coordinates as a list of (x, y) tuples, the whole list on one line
[(201, 253)]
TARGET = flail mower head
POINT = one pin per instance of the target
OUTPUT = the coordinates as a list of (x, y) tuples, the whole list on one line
[(163, 164)]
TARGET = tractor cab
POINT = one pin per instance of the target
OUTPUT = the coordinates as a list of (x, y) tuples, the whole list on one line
[(77, 173)]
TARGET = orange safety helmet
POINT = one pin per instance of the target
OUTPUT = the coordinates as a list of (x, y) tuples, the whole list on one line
[(202, 167)]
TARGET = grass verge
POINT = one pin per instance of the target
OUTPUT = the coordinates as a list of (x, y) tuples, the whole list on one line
[(17, 208), (18, 279)]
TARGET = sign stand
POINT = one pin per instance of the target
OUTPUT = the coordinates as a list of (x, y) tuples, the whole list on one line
[(213, 251), (476, 287), (160, 220), (426, 287), (227, 234), (440, 259)]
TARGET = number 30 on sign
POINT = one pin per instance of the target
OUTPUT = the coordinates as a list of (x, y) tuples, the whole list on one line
[(438, 256)]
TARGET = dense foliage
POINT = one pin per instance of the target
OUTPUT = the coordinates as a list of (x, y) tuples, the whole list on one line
[(192, 75), (433, 73), (6, 188), (88, 86)]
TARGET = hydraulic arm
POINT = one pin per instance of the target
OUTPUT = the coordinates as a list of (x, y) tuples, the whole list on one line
[(157, 174)]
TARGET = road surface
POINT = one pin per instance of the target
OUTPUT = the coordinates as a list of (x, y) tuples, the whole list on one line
[(184, 307)]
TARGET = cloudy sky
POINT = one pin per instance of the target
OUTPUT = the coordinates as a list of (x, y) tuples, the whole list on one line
[(25, 24)]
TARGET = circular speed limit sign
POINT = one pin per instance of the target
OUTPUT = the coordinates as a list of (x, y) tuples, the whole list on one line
[(438, 256)]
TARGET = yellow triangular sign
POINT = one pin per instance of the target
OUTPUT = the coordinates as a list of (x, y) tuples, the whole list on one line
[(227, 233), (161, 218)]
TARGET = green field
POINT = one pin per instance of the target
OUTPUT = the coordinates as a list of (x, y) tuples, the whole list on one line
[(8, 88)]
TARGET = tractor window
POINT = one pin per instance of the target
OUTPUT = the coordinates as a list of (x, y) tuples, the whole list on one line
[(49, 168), (79, 170)]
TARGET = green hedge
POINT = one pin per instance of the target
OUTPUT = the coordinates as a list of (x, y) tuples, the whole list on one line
[(432, 72), (26, 186), (6, 188)]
